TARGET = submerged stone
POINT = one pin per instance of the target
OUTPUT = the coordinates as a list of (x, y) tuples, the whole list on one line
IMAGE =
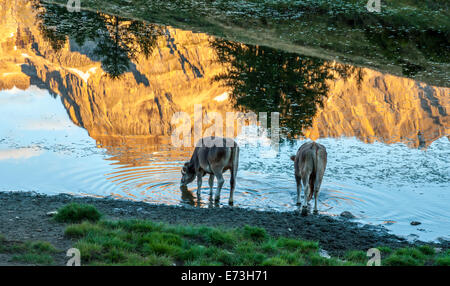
[(347, 214)]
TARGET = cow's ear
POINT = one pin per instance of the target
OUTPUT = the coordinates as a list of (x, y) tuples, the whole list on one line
[(293, 158)]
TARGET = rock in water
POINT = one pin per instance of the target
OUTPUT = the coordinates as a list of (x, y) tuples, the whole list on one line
[(415, 223), (347, 214)]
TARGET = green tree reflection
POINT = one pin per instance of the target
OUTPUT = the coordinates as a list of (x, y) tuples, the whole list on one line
[(263, 79), (118, 41)]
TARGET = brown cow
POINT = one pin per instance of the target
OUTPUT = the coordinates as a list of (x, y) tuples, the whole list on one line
[(310, 164), (213, 156)]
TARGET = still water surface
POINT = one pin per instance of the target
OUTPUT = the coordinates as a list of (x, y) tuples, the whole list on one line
[(86, 101)]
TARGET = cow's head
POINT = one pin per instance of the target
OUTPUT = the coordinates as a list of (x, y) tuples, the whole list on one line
[(187, 174)]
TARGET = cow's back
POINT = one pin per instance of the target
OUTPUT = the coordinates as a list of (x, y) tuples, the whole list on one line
[(312, 157), (218, 155), (304, 161)]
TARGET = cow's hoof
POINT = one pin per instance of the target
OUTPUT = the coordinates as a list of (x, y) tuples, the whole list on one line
[(299, 203), (231, 203), (316, 212), (216, 199)]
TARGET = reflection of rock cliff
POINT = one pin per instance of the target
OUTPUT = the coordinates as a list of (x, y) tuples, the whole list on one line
[(385, 108), (179, 73)]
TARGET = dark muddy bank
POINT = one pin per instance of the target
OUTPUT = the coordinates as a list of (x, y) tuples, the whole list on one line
[(23, 216)]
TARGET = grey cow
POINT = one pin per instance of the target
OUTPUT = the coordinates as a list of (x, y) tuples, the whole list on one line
[(213, 156), (310, 164)]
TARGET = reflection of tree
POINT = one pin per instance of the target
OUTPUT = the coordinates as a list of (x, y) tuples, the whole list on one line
[(268, 80), (118, 40)]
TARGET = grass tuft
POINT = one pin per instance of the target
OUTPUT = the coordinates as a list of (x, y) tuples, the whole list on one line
[(74, 213), (443, 261), (255, 233), (30, 252), (356, 256), (34, 258), (79, 230), (41, 247)]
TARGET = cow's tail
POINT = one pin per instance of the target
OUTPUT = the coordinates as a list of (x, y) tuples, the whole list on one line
[(312, 176)]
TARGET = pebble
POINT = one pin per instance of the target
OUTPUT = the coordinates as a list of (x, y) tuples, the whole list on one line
[(52, 213), (347, 214), (324, 253), (415, 223), (119, 210)]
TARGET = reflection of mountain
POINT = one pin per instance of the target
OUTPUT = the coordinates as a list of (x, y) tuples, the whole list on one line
[(385, 108), (180, 72), (134, 151), (176, 75)]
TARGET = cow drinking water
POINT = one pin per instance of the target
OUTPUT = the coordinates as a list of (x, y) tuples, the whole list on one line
[(310, 164), (213, 156)]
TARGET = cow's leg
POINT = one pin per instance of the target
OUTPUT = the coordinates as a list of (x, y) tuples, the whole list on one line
[(211, 183), (316, 194), (299, 189), (232, 186), (233, 170), (317, 184), (305, 179), (199, 186), (220, 182)]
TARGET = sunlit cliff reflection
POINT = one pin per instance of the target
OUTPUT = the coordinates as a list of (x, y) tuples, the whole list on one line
[(122, 79)]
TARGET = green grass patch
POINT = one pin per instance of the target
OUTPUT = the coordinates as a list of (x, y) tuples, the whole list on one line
[(33, 258), (443, 260), (79, 230), (385, 250), (40, 247), (142, 242), (356, 256), (139, 242), (412, 256), (255, 233), (74, 213), (29, 252)]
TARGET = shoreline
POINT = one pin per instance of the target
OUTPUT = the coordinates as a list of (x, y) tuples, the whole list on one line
[(23, 217)]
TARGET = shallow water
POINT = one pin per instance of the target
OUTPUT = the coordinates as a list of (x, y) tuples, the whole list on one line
[(75, 119)]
